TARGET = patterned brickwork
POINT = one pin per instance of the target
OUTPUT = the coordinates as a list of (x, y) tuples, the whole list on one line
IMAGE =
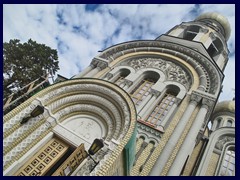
[(141, 160), (179, 143), (20, 134), (191, 161), (212, 165), (150, 163), (139, 144), (25, 150)]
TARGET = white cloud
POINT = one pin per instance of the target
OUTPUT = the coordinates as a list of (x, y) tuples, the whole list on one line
[(96, 30)]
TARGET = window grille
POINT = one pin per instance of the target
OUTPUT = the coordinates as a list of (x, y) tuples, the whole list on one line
[(161, 109), (228, 164), (141, 91)]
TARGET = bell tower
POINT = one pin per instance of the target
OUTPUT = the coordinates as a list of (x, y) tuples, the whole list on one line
[(212, 30)]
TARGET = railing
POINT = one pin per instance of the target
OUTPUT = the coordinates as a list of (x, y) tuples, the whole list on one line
[(24, 93)]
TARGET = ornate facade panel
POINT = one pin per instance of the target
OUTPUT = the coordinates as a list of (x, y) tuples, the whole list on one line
[(171, 70), (210, 76), (24, 143), (112, 105)]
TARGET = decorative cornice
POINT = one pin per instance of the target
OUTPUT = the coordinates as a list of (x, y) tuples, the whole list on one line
[(147, 129), (191, 56)]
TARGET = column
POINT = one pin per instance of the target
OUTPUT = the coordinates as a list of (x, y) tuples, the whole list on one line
[(93, 72), (144, 102), (163, 158), (189, 143), (85, 71), (139, 144), (135, 82), (128, 83), (201, 33), (147, 108), (209, 40), (224, 123), (122, 84), (108, 76), (214, 124), (100, 65), (115, 77)]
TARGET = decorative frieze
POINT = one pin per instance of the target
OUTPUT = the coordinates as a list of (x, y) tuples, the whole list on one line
[(191, 56), (173, 72), (149, 130)]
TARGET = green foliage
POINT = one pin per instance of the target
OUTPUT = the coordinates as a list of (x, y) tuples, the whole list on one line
[(25, 62)]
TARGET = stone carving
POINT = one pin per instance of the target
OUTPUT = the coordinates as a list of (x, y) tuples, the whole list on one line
[(119, 121), (102, 65), (209, 102), (173, 71), (149, 130), (192, 57), (219, 145), (196, 97), (122, 122), (90, 108)]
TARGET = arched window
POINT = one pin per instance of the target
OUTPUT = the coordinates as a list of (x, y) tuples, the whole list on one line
[(218, 123), (215, 48), (140, 92), (161, 109), (229, 123), (191, 32), (123, 73), (228, 163)]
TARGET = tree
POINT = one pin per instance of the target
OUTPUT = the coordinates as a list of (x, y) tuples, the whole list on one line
[(23, 63)]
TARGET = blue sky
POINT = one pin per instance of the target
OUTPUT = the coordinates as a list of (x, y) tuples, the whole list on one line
[(78, 32)]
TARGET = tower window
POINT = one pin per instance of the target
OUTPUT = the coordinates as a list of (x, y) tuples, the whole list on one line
[(215, 48), (191, 32)]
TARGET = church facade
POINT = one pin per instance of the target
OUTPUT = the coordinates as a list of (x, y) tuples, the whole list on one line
[(149, 101)]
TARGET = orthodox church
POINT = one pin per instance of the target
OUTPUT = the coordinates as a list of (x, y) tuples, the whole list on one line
[(141, 108)]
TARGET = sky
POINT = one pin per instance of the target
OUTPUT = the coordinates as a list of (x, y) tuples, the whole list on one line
[(79, 32)]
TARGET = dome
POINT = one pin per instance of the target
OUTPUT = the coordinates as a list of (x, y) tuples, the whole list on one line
[(225, 106), (219, 18)]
